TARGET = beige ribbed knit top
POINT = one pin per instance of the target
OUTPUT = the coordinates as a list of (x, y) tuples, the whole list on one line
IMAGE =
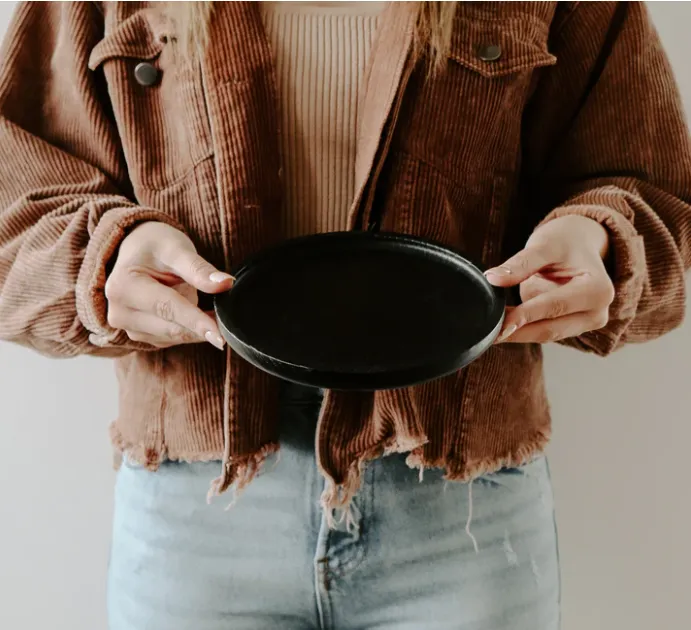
[(320, 51)]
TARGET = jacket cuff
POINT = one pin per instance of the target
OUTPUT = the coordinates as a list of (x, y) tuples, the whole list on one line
[(627, 269), (103, 244)]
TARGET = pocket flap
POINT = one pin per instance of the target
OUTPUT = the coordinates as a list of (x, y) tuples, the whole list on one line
[(135, 38), (520, 46)]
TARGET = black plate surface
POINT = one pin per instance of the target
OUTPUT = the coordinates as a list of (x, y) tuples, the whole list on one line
[(359, 310)]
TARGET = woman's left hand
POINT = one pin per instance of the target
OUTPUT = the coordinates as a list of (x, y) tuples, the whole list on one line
[(564, 285)]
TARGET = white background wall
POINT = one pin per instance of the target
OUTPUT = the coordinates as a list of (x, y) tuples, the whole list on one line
[(619, 462)]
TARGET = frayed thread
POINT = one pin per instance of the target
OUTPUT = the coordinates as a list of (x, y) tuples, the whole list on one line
[(516, 458), (239, 473), (511, 555), (352, 518), (536, 571), (470, 517), (415, 460), (277, 460), (339, 497), (406, 444)]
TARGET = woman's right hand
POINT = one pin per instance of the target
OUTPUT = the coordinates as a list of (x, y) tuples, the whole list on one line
[(152, 289)]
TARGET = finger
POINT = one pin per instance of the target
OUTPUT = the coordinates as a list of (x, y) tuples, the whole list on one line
[(581, 294), (188, 292), (519, 267), (196, 271), (148, 328), (551, 330), (536, 285), (148, 296), (141, 326), (162, 335), (506, 331)]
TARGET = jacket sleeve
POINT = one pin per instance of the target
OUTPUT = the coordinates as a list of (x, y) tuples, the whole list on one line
[(64, 204), (606, 138)]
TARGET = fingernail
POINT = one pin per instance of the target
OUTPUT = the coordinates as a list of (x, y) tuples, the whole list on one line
[(498, 271), (507, 333), (215, 340), (219, 276)]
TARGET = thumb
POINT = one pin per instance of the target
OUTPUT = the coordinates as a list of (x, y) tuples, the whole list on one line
[(198, 272), (519, 268)]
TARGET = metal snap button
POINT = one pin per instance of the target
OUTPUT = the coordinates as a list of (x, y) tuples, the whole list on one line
[(489, 52), (146, 74)]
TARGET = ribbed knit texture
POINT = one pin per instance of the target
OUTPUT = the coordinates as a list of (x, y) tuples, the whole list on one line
[(320, 53), (579, 115)]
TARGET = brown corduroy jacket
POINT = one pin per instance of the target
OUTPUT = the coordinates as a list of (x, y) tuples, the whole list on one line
[(577, 114)]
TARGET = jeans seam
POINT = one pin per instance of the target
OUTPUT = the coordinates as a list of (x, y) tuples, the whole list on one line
[(367, 493), (322, 576)]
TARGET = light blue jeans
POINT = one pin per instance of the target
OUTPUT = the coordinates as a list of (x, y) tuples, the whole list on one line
[(271, 562)]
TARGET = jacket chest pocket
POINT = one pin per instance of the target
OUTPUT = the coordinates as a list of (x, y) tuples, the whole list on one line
[(157, 100), (465, 120)]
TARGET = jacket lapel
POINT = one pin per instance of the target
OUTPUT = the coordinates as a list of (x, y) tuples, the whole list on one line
[(387, 62)]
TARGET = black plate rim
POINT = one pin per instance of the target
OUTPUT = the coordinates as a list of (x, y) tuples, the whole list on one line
[(375, 380)]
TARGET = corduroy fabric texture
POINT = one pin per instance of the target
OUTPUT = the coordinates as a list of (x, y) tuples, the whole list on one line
[(579, 115)]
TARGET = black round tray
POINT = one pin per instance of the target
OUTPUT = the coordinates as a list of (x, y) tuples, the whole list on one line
[(359, 311)]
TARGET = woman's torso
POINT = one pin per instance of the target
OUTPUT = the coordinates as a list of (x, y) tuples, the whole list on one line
[(440, 154)]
